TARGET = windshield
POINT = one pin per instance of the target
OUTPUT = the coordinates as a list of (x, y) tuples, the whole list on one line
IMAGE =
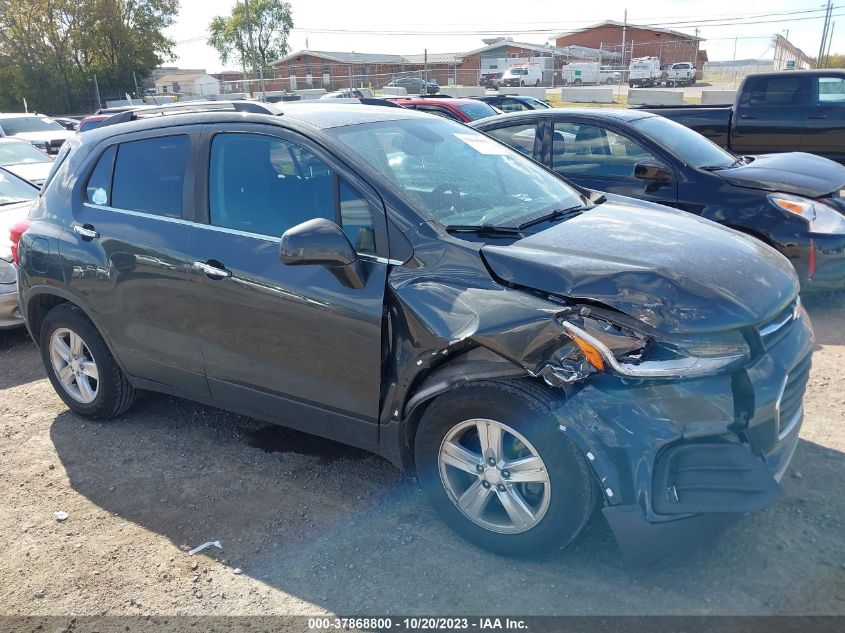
[(18, 153), (456, 175), (14, 189), (477, 110), (691, 147), (26, 124)]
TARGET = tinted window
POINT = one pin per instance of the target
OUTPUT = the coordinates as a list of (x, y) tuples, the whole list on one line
[(148, 175), (98, 190), (591, 150), (520, 137), (267, 185), (780, 90), (831, 90), (357, 219)]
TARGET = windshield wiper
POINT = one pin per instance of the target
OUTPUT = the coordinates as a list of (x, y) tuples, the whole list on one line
[(553, 215), (483, 228)]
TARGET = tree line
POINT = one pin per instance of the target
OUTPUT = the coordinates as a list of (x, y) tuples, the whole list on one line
[(50, 50)]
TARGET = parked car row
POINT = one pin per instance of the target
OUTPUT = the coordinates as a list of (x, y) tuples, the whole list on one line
[(481, 308)]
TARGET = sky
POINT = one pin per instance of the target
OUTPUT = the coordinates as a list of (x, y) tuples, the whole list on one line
[(443, 26)]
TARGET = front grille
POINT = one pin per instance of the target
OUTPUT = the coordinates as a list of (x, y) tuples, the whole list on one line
[(777, 327), (789, 404)]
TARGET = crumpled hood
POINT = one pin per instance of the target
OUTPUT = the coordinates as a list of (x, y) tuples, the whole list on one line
[(674, 271), (796, 172)]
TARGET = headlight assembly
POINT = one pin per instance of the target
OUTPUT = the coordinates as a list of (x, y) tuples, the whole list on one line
[(819, 217), (625, 351)]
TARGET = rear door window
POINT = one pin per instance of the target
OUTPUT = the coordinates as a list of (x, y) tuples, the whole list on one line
[(266, 185), (592, 150), (520, 136), (148, 176), (774, 91)]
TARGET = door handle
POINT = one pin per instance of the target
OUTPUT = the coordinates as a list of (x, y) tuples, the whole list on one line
[(748, 116), (86, 231), (818, 116), (212, 271)]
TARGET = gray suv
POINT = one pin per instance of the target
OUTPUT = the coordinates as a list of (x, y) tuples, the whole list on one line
[(405, 284)]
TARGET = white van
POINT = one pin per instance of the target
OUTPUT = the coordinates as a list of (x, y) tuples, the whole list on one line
[(644, 71), (522, 75), (582, 73)]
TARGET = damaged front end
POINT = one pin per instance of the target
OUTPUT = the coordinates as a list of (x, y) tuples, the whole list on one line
[(685, 429)]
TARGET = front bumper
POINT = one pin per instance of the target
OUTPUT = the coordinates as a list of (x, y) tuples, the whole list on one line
[(680, 460), (10, 315)]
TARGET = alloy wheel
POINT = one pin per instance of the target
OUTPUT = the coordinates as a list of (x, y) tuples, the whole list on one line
[(494, 476), (74, 365)]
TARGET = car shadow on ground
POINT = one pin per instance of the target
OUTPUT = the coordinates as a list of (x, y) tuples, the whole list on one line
[(346, 531)]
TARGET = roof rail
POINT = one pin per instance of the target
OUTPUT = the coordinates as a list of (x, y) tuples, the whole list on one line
[(253, 107)]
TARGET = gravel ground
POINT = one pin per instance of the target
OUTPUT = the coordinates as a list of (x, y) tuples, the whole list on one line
[(309, 526)]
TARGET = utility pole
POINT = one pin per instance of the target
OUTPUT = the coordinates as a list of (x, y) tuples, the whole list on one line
[(135, 79), (624, 34), (829, 41), (252, 46), (425, 58), (97, 92), (827, 13)]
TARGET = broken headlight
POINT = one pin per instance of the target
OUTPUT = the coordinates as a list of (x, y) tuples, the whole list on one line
[(626, 350)]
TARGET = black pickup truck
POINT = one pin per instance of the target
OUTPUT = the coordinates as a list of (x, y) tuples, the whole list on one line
[(786, 111)]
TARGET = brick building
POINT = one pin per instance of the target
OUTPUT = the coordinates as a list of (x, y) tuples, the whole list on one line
[(332, 69), (640, 41)]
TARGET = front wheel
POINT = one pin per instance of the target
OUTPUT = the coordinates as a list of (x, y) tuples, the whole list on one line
[(80, 366), (497, 468)]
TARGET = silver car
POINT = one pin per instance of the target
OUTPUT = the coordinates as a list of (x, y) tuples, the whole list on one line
[(23, 159), (16, 196)]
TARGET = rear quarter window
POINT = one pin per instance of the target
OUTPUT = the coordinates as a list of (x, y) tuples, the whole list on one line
[(145, 176)]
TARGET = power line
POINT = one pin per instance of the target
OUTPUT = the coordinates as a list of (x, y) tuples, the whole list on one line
[(749, 19)]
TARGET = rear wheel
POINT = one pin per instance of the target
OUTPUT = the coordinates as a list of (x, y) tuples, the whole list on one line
[(499, 471), (609, 81), (80, 366), (578, 82)]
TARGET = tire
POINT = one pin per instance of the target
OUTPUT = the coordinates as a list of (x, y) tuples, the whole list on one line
[(107, 395), (521, 83), (630, 84), (609, 81), (577, 82), (558, 507)]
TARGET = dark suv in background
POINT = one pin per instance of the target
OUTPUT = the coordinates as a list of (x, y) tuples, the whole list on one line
[(408, 285)]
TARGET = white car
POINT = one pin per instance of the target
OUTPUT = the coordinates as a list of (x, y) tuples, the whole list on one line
[(25, 160), (16, 197), (40, 130)]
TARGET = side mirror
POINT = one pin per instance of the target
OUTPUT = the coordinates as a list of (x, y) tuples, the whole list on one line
[(321, 242), (655, 172)]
